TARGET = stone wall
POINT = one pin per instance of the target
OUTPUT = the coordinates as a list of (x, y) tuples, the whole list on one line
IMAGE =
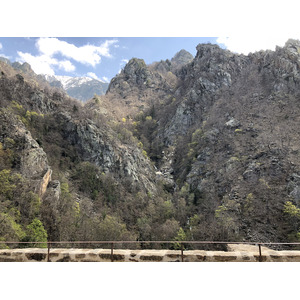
[(236, 253)]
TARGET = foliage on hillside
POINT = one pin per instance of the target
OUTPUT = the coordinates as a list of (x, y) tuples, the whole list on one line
[(202, 149)]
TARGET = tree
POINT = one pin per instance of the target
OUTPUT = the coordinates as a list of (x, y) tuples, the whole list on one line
[(6, 156), (10, 230), (29, 205), (35, 232), (111, 229), (181, 236), (8, 183), (226, 215), (293, 214)]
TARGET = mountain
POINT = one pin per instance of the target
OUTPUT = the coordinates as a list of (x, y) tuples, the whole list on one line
[(226, 134), (81, 88), (197, 148), (66, 165), (182, 57), (5, 60)]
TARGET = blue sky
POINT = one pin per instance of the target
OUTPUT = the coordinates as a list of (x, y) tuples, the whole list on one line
[(100, 58), (103, 58)]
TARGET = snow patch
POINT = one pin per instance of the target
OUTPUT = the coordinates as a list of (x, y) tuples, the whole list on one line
[(70, 82)]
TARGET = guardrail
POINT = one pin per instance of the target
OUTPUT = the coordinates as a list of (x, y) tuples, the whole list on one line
[(181, 243)]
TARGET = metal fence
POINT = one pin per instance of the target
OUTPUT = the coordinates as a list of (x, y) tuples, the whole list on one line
[(180, 244)]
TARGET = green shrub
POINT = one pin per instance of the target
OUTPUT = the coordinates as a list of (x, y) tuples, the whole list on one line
[(181, 236), (35, 232), (291, 210), (10, 230), (8, 183)]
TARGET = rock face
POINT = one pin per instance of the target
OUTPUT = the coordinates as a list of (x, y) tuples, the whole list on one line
[(138, 85), (232, 124), (182, 57), (31, 160), (24, 68), (98, 145), (135, 78), (44, 183)]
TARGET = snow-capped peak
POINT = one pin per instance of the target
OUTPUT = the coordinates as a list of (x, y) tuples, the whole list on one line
[(82, 88), (68, 81)]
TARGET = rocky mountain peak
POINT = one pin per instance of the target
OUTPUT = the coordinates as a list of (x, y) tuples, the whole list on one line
[(133, 65), (25, 68), (293, 48), (136, 74), (292, 43), (182, 57), (137, 71), (5, 60), (207, 50)]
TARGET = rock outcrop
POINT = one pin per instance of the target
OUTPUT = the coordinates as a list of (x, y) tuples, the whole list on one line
[(181, 58), (30, 159), (100, 146)]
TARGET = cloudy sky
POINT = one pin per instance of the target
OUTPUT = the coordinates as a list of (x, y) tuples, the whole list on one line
[(103, 58), (100, 58)]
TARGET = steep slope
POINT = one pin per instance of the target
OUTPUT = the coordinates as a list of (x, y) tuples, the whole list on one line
[(227, 135), (135, 89), (77, 168), (203, 148), (240, 116)]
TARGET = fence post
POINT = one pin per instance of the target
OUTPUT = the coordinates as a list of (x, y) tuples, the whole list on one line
[(260, 257), (112, 252), (48, 256), (181, 252)]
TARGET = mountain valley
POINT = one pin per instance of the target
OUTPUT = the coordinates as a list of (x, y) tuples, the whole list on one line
[(191, 148)]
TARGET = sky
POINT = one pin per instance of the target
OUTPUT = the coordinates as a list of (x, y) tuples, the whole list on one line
[(103, 58), (100, 58)]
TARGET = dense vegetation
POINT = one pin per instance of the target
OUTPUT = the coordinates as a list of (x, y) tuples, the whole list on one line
[(204, 149)]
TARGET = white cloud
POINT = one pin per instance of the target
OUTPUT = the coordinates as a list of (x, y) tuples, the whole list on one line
[(5, 56), (66, 65), (42, 64), (105, 79), (45, 62), (1, 46), (247, 44), (87, 54), (92, 75), (123, 62)]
